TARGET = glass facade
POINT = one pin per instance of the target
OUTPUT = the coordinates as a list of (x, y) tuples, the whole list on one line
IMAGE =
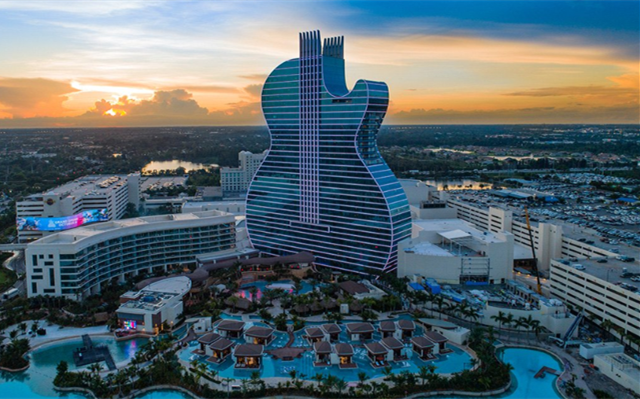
[(324, 187)]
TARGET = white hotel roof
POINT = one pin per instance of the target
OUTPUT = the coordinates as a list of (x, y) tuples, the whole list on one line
[(86, 185), (447, 226), (77, 234)]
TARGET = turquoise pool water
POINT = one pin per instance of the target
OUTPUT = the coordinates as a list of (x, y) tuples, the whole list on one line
[(449, 363), (526, 363), (261, 287), (37, 381), (165, 394)]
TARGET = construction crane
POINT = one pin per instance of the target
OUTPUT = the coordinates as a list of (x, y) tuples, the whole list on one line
[(533, 251)]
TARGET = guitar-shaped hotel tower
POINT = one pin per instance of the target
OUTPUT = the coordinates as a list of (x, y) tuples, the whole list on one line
[(323, 186)]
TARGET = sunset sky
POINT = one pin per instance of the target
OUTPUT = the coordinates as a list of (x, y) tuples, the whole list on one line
[(161, 63)]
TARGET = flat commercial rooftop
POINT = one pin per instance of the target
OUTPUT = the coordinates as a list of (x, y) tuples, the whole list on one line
[(80, 233), (610, 271), (156, 295), (160, 182), (87, 185), (449, 225), (427, 248)]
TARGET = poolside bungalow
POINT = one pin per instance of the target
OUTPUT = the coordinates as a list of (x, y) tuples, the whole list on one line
[(316, 307), (314, 334), (323, 351), (439, 340), (378, 354), (360, 331), (345, 356), (332, 330), (395, 348), (387, 329), (259, 335), (353, 288), (301, 309), (329, 304), (407, 327), (355, 307), (219, 350), (205, 341), (248, 356), (241, 303), (230, 328), (423, 347)]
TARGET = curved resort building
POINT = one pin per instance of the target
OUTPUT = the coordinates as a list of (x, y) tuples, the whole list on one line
[(78, 262), (323, 186)]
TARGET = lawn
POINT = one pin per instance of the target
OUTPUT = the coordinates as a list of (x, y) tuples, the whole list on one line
[(7, 277)]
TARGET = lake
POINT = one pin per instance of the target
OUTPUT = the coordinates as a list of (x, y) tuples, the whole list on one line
[(175, 164)]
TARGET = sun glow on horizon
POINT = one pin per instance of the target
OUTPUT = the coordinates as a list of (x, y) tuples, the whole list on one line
[(115, 112)]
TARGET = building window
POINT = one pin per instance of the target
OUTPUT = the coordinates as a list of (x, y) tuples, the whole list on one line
[(34, 288), (52, 277)]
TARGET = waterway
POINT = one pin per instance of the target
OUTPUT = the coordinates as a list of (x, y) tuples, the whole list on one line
[(175, 164)]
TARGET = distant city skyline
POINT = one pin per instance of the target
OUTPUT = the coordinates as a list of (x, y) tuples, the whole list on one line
[(164, 63)]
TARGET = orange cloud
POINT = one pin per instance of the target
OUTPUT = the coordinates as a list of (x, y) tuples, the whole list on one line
[(25, 98)]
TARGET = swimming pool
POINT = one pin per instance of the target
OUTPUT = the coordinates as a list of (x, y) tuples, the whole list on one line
[(165, 394), (526, 363), (453, 362), (37, 381), (262, 286)]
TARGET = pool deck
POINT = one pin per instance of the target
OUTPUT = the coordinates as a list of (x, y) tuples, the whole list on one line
[(90, 354), (57, 333)]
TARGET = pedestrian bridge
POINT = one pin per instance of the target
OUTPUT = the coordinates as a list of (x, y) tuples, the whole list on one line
[(12, 247)]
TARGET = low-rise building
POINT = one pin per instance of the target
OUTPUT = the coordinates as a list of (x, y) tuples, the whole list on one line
[(621, 368), (361, 289), (259, 335), (230, 328), (451, 331), (589, 350), (153, 308), (453, 251), (248, 356)]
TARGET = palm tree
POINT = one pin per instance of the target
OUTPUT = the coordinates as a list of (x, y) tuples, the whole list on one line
[(199, 369), (330, 382), (340, 385), (607, 325), (535, 328), (318, 378), (255, 378), (500, 319), (228, 381), (362, 377), (508, 320), (520, 322), (472, 314), (234, 301), (387, 372), (120, 378), (440, 303), (424, 374)]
